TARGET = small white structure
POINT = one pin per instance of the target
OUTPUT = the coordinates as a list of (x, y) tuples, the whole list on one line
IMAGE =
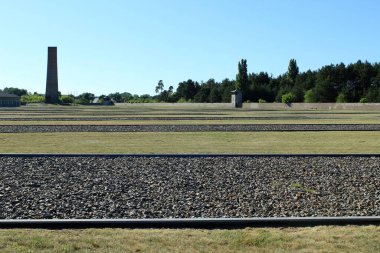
[(237, 99)]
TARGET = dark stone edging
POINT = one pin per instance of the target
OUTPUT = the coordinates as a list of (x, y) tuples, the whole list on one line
[(141, 118), (187, 128)]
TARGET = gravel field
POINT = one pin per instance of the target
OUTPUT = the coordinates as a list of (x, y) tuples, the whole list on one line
[(187, 128), (137, 113), (185, 187), (150, 118)]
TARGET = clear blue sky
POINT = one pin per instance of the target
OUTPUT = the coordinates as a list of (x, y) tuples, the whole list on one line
[(106, 46)]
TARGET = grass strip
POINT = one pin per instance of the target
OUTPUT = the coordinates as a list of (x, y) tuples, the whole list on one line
[(193, 142), (315, 239), (192, 122)]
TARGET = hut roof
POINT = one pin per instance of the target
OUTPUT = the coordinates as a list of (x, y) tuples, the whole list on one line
[(6, 95)]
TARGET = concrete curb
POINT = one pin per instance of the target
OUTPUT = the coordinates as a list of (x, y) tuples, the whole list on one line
[(198, 223)]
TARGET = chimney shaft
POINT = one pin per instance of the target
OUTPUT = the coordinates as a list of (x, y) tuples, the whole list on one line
[(51, 95)]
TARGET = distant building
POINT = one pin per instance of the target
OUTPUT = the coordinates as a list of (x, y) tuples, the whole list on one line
[(105, 101), (108, 101), (236, 99), (9, 100)]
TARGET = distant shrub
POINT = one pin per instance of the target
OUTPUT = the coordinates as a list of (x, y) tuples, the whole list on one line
[(310, 96), (342, 98), (32, 98), (363, 100), (288, 98), (261, 101), (67, 99), (182, 100)]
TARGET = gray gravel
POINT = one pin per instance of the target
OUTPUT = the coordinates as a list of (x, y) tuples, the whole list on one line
[(186, 128), (148, 118), (185, 187)]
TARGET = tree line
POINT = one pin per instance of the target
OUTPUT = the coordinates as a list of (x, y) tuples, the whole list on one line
[(355, 82)]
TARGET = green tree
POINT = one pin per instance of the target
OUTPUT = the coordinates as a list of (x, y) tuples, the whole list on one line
[(373, 94), (203, 94), (67, 99), (164, 96), (117, 97), (160, 86), (146, 98), (126, 96), (285, 86), (288, 98), (259, 87), (342, 96), (226, 87), (215, 95), (325, 89), (32, 98), (187, 89), (310, 96), (85, 98), (321, 91), (242, 81), (299, 89), (15, 91), (261, 101), (293, 70)]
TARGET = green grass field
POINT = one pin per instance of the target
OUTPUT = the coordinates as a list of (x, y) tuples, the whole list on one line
[(195, 122), (193, 142), (143, 111), (317, 239)]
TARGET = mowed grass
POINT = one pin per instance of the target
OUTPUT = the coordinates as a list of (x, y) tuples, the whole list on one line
[(315, 239), (193, 142), (199, 111), (195, 122), (146, 110)]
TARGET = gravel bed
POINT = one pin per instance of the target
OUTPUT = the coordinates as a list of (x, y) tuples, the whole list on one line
[(151, 118), (187, 128), (186, 187), (108, 113)]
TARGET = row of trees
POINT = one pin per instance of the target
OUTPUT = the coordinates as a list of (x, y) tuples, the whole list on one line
[(15, 91), (357, 82), (84, 98)]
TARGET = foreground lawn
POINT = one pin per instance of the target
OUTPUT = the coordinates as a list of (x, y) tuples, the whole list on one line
[(192, 142), (316, 239)]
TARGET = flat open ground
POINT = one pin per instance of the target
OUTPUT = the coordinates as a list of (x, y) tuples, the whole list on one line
[(193, 142), (318, 239), (193, 115), (185, 142)]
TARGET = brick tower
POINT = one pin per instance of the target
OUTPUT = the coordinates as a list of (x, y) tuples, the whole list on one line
[(51, 95)]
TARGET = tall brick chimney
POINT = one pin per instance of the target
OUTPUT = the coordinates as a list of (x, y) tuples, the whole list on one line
[(51, 95)]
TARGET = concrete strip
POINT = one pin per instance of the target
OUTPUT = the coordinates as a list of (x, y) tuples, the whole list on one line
[(198, 223)]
